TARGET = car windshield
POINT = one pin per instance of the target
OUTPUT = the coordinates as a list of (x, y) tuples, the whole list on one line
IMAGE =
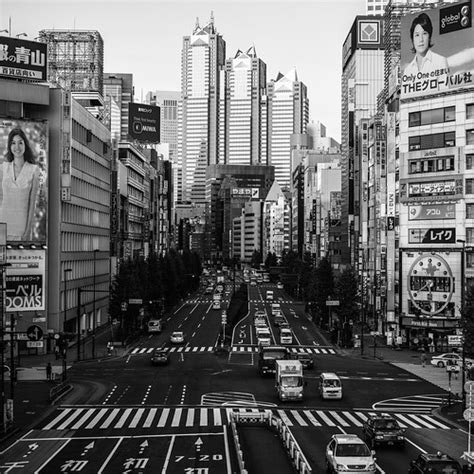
[(439, 467), (352, 449), (292, 382), (386, 425), (333, 383)]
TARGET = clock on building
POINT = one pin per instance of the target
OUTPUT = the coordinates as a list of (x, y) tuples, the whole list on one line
[(430, 284)]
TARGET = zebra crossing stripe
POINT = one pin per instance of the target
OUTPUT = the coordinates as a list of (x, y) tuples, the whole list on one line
[(190, 417), (421, 421), (79, 423), (284, 417), (149, 418), (176, 417), (163, 417), (298, 418), (323, 416), (110, 418), (435, 422), (59, 418), (137, 417), (352, 418), (203, 417), (96, 419), (406, 420), (123, 418), (339, 419), (311, 418), (217, 416)]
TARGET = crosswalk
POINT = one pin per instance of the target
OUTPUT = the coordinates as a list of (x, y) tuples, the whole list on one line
[(88, 418), (239, 348), (416, 403)]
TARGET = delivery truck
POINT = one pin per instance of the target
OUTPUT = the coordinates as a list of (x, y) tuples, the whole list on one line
[(289, 382)]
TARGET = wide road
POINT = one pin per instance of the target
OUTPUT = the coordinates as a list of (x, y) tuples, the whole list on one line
[(175, 418)]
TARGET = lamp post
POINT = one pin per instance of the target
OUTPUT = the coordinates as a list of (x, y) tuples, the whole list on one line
[(93, 308), (463, 286), (64, 343)]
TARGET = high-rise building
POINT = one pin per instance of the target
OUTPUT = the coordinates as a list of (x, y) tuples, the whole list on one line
[(203, 58), (287, 113), (362, 81), (75, 59), (245, 83), (119, 86)]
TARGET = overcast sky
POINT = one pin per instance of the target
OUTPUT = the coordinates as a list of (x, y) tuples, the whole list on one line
[(145, 38)]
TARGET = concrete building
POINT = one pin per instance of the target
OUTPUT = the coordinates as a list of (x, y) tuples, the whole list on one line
[(287, 114), (203, 57), (375, 7), (247, 231), (245, 84), (320, 141)]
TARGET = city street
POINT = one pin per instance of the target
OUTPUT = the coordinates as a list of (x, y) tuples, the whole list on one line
[(176, 417)]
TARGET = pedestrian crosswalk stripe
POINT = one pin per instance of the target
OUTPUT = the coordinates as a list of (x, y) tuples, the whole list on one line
[(152, 418), (239, 348)]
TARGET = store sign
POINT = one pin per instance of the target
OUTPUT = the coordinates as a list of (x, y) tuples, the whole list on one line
[(247, 192), (431, 212), (432, 236), (439, 188)]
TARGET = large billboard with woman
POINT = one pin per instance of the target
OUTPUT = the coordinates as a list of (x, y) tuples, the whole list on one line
[(23, 180), (437, 50)]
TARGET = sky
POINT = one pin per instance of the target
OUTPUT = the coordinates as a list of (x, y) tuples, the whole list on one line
[(145, 38)]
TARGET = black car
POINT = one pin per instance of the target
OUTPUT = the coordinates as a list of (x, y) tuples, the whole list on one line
[(306, 359), (383, 429), (160, 357), (434, 463)]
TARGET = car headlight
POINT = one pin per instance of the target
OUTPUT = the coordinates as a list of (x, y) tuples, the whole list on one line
[(340, 467), (371, 467), (379, 436)]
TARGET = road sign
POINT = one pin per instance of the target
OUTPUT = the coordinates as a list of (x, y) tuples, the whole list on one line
[(34, 343), (135, 301), (469, 389), (332, 302), (34, 333), (124, 306), (455, 340), (468, 414)]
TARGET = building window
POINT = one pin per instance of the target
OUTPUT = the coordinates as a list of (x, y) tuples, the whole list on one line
[(470, 186), (427, 117), (435, 140), (469, 161), (469, 211), (470, 137), (469, 111), (442, 163)]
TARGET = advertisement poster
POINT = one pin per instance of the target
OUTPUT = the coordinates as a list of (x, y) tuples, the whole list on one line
[(23, 179), (144, 122), (437, 50), (25, 285)]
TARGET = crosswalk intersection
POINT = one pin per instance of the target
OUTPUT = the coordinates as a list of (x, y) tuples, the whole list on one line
[(88, 418), (237, 348)]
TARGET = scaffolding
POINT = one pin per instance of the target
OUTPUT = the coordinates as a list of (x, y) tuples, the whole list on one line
[(75, 59)]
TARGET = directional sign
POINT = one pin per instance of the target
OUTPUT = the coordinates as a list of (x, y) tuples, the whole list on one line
[(135, 301), (332, 303), (34, 344), (455, 340), (469, 389), (34, 333)]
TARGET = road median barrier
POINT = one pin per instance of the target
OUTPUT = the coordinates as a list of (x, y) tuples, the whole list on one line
[(269, 420), (59, 391)]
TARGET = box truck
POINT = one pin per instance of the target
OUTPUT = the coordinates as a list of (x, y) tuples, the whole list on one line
[(289, 381)]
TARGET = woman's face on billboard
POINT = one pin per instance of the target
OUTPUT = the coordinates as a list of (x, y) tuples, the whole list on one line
[(421, 40), (18, 146)]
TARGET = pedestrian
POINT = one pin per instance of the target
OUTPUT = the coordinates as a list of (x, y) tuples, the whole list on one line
[(49, 371), (56, 351), (423, 358)]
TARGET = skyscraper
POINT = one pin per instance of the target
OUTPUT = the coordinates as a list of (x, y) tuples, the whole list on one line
[(203, 59), (244, 90), (287, 113)]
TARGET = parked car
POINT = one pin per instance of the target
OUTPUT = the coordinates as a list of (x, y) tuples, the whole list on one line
[(347, 452), (177, 337), (443, 360), (434, 463), (160, 357), (382, 428), (280, 286)]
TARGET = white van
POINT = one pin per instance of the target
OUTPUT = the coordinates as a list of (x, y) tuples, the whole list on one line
[(286, 336), (330, 386)]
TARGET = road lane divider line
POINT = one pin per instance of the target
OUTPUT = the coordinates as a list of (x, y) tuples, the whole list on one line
[(415, 445)]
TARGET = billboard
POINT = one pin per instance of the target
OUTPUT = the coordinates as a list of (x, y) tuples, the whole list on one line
[(23, 178), (433, 211), (144, 122), (25, 281), (23, 59), (437, 53)]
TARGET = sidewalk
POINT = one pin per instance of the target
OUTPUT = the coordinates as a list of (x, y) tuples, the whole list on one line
[(31, 391)]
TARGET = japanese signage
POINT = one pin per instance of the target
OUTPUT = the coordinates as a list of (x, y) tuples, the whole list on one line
[(24, 193), (441, 39), (432, 188), (144, 122), (23, 59), (432, 236), (431, 212), (26, 280)]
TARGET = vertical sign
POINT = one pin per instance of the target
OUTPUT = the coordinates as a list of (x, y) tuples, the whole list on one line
[(66, 148)]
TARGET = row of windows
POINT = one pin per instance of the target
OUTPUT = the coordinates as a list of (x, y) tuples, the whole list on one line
[(434, 140), (74, 242), (445, 163), (90, 166), (89, 191), (87, 138), (73, 214), (427, 117)]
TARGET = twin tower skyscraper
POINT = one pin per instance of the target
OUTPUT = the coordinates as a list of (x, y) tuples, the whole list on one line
[(230, 114)]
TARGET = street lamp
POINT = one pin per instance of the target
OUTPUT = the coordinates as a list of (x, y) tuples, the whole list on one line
[(463, 371), (93, 308), (64, 347)]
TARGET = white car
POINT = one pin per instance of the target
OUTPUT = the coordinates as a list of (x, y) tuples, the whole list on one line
[(280, 286), (177, 337), (347, 453), (444, 359)]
